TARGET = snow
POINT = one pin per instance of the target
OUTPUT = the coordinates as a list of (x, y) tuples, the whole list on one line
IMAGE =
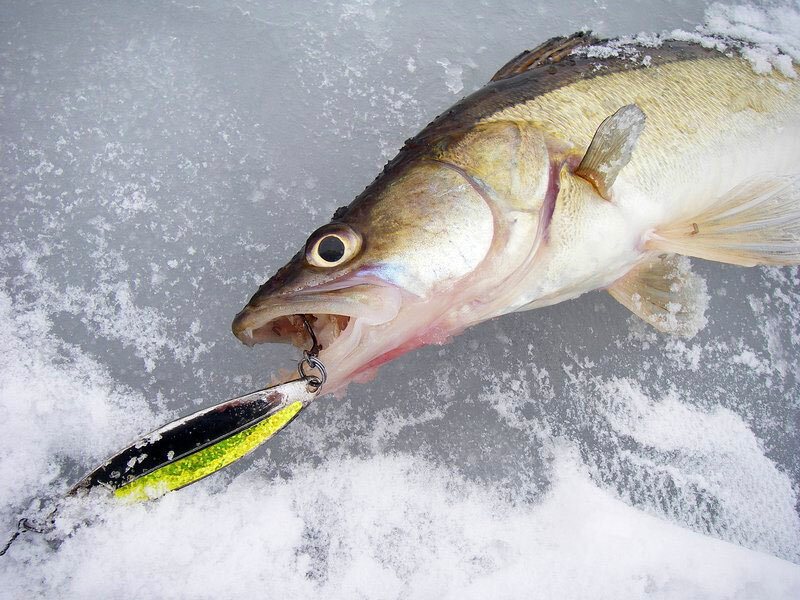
[(159, 161), (394, 526), (56, 401), (767, 36), (771, 34)]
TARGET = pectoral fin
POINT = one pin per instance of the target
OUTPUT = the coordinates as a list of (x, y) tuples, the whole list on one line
[(611, 148), (665, 292)]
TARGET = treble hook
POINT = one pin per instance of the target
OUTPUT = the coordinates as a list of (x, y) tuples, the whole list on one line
[(315, 347), (310, 359)]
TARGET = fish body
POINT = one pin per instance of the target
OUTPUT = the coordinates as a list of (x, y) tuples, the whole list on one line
[(566, 173)]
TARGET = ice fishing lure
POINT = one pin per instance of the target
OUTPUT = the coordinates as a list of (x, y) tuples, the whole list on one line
[(194, 446), (204, 442)]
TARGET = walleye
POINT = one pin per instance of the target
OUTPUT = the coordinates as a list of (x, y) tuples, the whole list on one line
[(564, 174)]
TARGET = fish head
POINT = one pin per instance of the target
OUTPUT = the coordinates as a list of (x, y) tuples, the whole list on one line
[(389, 273)]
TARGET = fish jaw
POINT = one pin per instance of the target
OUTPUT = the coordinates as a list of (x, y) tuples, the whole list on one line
[(359, 327), (366, 323), (353, 324), (266, 321)]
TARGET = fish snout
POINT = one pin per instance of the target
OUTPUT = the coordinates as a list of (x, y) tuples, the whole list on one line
[(260, 324), (243, 323)]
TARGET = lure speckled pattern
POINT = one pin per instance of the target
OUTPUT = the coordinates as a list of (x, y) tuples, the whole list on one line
[(208, 460)]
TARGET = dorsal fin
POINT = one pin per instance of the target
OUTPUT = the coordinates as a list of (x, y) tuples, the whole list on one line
[(552, 51)]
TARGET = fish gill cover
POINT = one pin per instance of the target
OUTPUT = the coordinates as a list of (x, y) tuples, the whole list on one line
[(157, 162)]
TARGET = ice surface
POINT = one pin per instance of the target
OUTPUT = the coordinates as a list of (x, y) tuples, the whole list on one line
[(452, 75), (160, 160)]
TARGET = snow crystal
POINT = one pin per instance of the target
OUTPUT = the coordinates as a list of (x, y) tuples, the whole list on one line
[(768, 37), (452, 74)]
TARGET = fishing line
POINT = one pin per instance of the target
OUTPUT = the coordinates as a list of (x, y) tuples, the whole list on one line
[(26, 524)]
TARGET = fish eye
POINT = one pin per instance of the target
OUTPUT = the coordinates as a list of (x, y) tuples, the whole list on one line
[(332, 245)]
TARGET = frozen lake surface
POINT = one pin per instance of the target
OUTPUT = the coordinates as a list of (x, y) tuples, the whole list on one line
[(160, 160)]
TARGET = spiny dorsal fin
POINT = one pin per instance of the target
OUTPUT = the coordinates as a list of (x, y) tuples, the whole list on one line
[(611, 148), (663, 291), (552, 51), (755, 223)]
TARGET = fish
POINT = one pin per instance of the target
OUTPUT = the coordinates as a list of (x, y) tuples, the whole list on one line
[(577, 167)]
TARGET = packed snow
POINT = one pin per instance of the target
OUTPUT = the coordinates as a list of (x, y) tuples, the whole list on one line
[(159, 161)]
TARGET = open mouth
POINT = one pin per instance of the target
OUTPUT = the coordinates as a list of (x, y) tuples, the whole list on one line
[(292, 329), (339, 318)]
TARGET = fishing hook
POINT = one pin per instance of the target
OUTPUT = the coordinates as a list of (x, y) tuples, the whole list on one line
[(310, 359), (315, 347)]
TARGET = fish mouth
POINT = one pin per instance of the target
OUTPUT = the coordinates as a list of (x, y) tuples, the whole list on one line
[(339, 318), (291, 329)]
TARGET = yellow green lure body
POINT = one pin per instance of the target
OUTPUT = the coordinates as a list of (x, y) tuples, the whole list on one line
[(200, 444)]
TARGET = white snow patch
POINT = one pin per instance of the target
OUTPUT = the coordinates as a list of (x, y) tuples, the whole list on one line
[(388, 527), (715, 453), (57, 404), (767, 36), (452, 75)]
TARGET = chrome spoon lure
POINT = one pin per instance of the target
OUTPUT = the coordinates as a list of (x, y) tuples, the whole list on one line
[(204, 442)]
